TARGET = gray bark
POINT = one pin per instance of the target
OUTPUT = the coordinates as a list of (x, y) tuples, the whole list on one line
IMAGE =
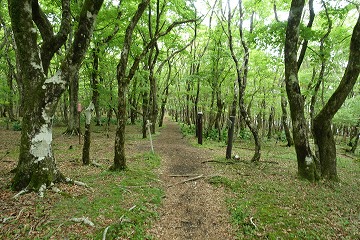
[(37, 167)]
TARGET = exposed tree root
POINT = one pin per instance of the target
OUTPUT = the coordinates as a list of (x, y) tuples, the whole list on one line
[(184, 175), (44, 187)]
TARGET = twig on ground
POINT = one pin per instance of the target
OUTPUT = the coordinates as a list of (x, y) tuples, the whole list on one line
[(69, 180), (187, 180), (132, 208), (251, 221), (96, 164), (105, 232), (84, 220), (7, 153), (221, 162), (273, 162), (184, 175), (122, 219), (21, 193)]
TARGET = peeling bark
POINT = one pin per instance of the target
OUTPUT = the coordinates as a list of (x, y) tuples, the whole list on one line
[(37, 166)]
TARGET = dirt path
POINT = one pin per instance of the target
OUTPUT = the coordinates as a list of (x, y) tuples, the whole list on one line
[(191, 210)]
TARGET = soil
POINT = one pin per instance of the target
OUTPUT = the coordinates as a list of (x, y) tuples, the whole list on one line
[(192, 209)]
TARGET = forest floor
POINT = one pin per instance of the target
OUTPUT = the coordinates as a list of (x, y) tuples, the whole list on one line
[(183, 191)]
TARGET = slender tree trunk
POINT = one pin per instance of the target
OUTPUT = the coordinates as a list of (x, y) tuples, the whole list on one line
[(95, 84), (73, 121), (65, 108), (355, 142), (119, 158), (10, 105), (123, 83), (145, 111), (271, 122), (87, 137), (284, 120), (153, 104), (165, 95)]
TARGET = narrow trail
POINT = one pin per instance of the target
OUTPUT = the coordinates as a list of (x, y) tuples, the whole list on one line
[(194, 209)]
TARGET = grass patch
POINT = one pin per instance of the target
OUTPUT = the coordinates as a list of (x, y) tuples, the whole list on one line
[(125, 202), (268, 200)]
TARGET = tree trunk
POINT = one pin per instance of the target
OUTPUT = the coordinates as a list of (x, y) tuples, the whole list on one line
[(153, 103), (306, 161), (87, 139), (145, 112), (37, 168), (73, 118), (95, 84), (324, 138), (271, 122), (119, 158), (123, 83), (65, 108), (165, 96), (284, 102), (10, 106)]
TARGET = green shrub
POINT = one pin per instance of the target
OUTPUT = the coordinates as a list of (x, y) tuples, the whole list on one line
[(16, 126)]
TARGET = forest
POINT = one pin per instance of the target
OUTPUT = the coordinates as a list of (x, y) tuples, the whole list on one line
[(185, 119)]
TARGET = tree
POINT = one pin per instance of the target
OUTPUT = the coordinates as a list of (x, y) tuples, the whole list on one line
[(242, 75), (309, 166), (323, 134), (37, 168), (125, 75), (305, 158)]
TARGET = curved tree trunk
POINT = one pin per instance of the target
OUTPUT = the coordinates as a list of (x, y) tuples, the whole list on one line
[(323, 134)]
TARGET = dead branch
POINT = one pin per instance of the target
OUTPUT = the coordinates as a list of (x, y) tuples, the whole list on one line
[(184, 175), (21, 193), (121, 220), (84, 220), (105, 232), (95, 164), (251, 221), (7, 153), (69, 180), (187, 180), (221, 162)]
